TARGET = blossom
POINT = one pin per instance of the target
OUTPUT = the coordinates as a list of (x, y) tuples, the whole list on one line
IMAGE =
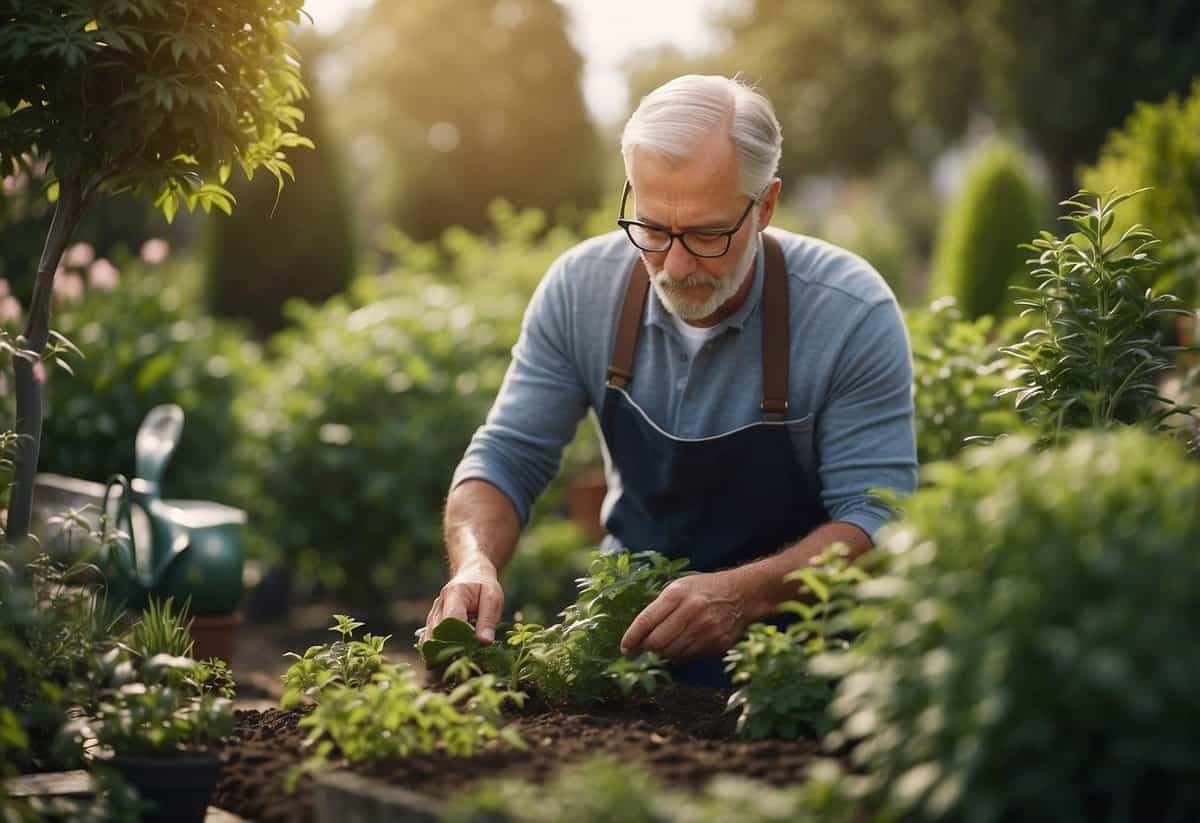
[(79, 255), (103, 275), (68, 287), (155, 250)]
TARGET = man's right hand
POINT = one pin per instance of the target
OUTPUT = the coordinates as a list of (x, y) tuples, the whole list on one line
[(473, 594)]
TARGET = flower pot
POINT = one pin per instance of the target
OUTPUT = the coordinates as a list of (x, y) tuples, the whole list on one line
[(215, 636), (179, 787)]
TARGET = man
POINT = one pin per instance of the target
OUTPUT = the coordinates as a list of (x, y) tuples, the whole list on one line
[(747, 404)]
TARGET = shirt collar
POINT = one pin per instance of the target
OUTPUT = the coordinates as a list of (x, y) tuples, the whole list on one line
[(658, 315)]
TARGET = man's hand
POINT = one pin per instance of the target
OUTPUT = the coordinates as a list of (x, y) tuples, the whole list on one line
[(695, 616), (472, 593)]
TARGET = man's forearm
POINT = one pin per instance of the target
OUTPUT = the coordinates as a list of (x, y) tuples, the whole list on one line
[(762, 580), (480, 525)]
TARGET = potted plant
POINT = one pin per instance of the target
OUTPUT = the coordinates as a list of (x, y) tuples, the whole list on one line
[(158, 725)]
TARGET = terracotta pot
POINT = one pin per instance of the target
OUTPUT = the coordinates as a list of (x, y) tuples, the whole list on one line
[(585, 496), (215, 636)]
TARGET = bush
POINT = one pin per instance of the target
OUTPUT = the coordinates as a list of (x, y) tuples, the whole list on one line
[(1030, 654), (145, 341), (977, 257), (957, 371), (1159, 146)]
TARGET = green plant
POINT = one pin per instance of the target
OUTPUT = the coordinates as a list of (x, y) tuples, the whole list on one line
[(977, 255), (154, 709), (957, 370), (540, 578), (146, 341), (1159, 147), (1023, 656), (161, 630), (778, 695), (1094, 358), (88, 88), (577, 659), (346, 662)]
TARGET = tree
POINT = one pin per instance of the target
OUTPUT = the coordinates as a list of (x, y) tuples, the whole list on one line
[(446, 108), (153, 97)]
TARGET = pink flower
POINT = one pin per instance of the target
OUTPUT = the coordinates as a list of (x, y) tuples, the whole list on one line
[(5, 291), (39, 372), (79, 255), (68, 287), (10, 310), (155, 250), (103, 275)]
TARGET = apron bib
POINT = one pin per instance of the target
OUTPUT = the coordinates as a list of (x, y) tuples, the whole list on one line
[(720, 501)]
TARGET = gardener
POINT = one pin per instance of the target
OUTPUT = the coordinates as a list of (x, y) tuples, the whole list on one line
[(748, 403)]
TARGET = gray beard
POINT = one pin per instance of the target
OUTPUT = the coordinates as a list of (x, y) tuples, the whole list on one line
[(670, 291)]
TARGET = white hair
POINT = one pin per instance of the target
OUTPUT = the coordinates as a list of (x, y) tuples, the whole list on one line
[(676, 117)]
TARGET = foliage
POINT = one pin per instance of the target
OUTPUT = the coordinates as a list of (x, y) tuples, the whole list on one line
[(1094, 357), (957, 370), (978, 254), (91, 85), (399, 372), (145, 342), (87, 87), (1159, 147), (161, 629), (1023, 656), (152, 708), (604, 791), (440, 130), (345, 663), (777, 694), (577, 660), (298, 243)]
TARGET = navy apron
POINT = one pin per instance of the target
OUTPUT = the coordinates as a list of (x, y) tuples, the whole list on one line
[(720, 501)]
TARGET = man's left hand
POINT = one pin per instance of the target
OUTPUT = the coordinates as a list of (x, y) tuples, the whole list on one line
[(695, 616)]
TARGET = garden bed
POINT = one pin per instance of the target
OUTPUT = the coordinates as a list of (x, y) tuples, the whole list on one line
[(681, 735)]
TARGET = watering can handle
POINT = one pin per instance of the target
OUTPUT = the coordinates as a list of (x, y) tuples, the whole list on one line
[(123, 550)]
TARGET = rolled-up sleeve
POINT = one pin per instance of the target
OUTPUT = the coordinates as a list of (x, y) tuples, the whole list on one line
[(541, 401), (865, 436)]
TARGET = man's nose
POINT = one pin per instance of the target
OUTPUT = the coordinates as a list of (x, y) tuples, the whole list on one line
[(680, 262)]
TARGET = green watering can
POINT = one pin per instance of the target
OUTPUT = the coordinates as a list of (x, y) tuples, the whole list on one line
[(195, 546)]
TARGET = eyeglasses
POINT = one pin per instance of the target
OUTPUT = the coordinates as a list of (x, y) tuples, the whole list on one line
[(699, 243)]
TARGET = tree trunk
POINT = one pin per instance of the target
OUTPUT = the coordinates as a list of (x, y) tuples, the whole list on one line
[(29, 388)]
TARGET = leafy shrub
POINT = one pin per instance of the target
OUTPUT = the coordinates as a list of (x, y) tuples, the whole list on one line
[(1025, 658), (577, 660), (376, 395), (957, 371), (977, 255), (778, 694), (145, 341), (1159, 147), (1094, 357), (602, 790)]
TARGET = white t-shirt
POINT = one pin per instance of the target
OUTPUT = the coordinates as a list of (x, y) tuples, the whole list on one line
[(694, 337)]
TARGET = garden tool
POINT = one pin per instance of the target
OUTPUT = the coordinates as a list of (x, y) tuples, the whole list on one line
[(194, 551)]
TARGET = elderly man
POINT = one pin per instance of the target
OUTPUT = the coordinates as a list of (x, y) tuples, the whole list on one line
[(747, 404)]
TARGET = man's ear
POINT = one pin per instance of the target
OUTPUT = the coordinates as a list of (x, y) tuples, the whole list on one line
[(766, 207)]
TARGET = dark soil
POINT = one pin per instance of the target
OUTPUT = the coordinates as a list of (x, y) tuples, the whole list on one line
[(683, 736)]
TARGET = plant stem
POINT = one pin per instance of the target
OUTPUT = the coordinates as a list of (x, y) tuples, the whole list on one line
[(37, 331)]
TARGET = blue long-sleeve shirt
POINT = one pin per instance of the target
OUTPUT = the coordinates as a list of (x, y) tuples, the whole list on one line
[(850, 370)]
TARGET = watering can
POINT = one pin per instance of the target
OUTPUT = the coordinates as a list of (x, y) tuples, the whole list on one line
[(187, 549)]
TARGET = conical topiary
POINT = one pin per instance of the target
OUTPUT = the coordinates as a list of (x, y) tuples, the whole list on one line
[(977, 255)]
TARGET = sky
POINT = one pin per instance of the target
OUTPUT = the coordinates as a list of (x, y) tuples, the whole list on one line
[(606, 32)]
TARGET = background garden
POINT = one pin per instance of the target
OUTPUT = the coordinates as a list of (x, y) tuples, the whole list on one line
[(334, 339)]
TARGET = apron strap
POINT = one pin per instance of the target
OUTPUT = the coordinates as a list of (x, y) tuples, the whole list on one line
[(775, 337), (776, 348), (620, 372)]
